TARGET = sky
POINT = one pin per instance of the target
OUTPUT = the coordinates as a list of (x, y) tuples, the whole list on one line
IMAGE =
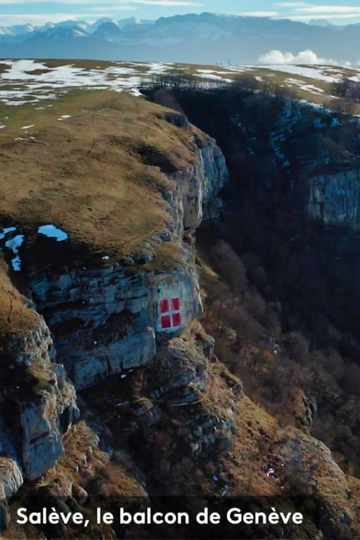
[(39, 12)]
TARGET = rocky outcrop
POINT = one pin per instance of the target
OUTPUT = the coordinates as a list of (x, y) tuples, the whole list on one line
[(37, 403), (105, 320), (199, 186), (11, 478), (108, 318), (335, 199), (184, 413)]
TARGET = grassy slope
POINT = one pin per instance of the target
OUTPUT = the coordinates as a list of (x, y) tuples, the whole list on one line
[(15, 316), (87, 174), (146, 70)]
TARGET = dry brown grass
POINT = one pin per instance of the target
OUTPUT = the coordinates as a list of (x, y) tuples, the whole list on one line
[(85, 64), (84, 464), (86, 174), (3, 68), (15, 317)]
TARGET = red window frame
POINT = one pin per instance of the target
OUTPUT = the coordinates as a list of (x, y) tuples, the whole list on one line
[(170, 313)]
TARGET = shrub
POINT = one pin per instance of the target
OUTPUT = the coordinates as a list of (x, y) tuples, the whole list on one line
[(298, 346), (351, 379), (231, 267)]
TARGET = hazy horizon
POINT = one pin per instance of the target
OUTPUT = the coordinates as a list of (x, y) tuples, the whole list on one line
[(40, 12)]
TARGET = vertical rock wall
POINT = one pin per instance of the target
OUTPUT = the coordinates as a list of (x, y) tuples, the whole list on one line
[(335, 199), (37, 404), (105, 320)]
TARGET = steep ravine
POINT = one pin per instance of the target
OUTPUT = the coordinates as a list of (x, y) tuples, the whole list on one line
[(160, 413)]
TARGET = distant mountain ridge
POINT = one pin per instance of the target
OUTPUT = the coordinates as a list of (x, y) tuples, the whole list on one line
[(26, 29), (207, 38)]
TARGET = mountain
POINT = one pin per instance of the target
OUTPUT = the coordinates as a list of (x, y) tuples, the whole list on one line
[(108, 31), (133, 21), (5, 31), (321, 22), (206, 38), (93, 27), (59, 34), (20, 29), (71, 24)]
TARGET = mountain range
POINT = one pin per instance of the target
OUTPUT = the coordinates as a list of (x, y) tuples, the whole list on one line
[(207, 38)]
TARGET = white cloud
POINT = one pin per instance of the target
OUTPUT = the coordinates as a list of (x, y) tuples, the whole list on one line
[(328, 9), (165, 3), (103, 9), (39, 19), (291, 4), (304, 57), (304, 11), (9, 2), (323, 16), (259, 14)]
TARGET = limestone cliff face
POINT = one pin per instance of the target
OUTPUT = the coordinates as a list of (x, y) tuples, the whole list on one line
[(99, 321), (335, 199), (37, 405), (106, 320), (199, 186)]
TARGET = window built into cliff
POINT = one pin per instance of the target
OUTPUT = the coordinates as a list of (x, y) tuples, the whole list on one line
[(170, 313)]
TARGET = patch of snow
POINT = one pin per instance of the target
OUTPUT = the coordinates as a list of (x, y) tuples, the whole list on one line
[(213, 77), (28, 127), (241, 69), (314, 72), (51, 231), (205, 71), (15, 103), (19, 68), (16, 263), (312, 89), (15, 244), (7, 231), (26, 86), (335, 123), (135, 92), (183, 404)]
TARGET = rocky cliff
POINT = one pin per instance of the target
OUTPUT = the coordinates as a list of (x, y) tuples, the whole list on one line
[(102, 229), (335, 199), (105, 318), (37, 401)]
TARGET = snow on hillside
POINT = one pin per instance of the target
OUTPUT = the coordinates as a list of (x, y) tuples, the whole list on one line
[(318, 73), (30, 81)]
